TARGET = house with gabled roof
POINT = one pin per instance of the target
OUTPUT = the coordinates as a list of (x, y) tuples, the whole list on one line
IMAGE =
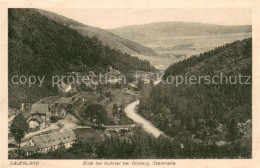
[(39, 108), (65, 88), (39, 116), (49, 142)]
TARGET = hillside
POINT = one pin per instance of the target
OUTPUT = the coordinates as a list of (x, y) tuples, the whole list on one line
[(107, 38), (231, 59), (216, 115), (175, 41), (161, 30), (40, 46)]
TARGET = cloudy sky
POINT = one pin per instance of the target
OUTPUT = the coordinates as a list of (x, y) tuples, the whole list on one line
[(112, 18)]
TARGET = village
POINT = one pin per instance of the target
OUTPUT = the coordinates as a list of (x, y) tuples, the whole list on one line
[(89, 111)]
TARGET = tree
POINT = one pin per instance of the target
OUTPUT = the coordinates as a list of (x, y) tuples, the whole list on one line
[(54, 119), (108, 94), (151, 83), (232, 129), (69, 108), (140, 84), (19, 127), (82, 149), (115, 108), (96, 112), (60, 153)]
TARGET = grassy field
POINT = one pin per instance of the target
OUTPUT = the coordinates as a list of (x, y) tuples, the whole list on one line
[(175, 49)]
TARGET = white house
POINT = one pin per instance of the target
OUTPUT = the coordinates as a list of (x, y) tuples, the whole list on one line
[(64, 87)]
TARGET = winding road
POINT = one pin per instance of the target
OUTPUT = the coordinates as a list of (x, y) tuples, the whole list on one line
[(147, 125)]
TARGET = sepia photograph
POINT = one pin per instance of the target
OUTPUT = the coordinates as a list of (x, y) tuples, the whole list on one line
[(123, 84)]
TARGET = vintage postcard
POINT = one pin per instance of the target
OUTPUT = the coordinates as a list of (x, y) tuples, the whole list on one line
[(145, 83)]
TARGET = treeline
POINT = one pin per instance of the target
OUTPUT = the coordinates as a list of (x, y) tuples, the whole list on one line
[(40, 46), (210, 113), (226, 59)]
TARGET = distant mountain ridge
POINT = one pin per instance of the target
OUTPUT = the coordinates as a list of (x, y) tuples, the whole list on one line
[(107, 38), (158, 30)]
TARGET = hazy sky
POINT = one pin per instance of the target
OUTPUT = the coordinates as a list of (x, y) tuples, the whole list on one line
[(112, 18)]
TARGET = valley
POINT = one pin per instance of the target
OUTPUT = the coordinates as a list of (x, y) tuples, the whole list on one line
[(172, 50), (140, 118), (176, 41)]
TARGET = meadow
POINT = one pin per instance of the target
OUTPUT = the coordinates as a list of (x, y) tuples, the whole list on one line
[(174, 49)]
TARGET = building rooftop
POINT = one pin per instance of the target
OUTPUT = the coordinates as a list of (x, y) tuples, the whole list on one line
[(64, 85), (54, 139), (38, 118), (40, 108), (133, 84)]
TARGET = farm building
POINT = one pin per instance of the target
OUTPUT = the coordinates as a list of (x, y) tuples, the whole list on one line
[(39, 117), (132, 85), (49, 142), (64, 87)]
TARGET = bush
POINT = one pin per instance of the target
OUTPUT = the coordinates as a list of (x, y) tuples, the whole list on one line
[(54, 119)]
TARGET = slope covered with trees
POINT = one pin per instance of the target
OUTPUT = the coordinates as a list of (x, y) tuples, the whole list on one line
[(40, 46), (107, 38), (207, 114)]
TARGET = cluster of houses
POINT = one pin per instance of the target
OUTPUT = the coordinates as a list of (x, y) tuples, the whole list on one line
[(113, 71), (145, 78), (38, 115)]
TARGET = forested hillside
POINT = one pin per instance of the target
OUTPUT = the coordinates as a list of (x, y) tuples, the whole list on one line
[(107, 38), (207, 114), (40, 46)]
